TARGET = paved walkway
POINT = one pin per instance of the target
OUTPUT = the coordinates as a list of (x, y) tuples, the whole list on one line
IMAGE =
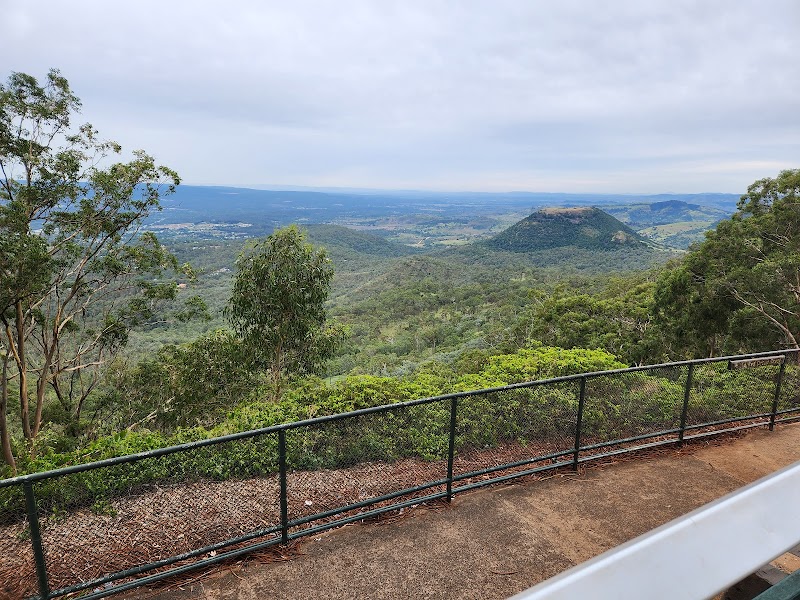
[(497, 541)]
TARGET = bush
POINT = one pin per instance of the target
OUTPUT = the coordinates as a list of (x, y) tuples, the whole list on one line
[(616, 406)]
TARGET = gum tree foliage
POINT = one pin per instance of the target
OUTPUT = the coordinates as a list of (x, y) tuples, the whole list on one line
[(277, 306), (75, 271), (739, 289), (185, 385), (618, 319)]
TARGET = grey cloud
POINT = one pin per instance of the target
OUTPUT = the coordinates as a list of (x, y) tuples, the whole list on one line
[(437, 93)]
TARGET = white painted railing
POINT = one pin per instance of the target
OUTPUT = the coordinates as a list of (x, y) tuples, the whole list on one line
[(695, 556)]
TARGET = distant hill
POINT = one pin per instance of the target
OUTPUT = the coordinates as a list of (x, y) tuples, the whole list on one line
[(582, 227), (672, 222), (344, 239), (640, 216)]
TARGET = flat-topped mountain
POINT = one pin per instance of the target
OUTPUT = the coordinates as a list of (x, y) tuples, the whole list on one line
[(583, 227)]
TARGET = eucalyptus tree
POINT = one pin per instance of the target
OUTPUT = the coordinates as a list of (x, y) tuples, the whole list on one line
[(76, 271), (277, 306), (740, 288)]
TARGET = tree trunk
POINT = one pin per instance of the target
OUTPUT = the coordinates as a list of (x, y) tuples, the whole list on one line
[(277, 374), (5, 439), (22, 367), (41, 388)]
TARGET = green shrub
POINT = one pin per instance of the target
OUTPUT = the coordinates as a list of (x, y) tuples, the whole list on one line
[(616, 406)]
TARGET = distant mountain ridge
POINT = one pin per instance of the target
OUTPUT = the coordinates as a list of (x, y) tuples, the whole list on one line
[(274, 208), (674, 222), (424, 219), (669, 211), (582, 227)]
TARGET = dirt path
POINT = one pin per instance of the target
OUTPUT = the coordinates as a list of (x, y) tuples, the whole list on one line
[(498, 541)]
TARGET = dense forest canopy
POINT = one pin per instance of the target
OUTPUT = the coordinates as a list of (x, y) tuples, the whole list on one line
[(105, 351)]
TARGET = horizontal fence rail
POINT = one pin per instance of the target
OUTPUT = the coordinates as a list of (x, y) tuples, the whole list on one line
[(101, 528)]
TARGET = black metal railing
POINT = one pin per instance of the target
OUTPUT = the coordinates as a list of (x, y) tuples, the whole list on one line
[(105, 527)]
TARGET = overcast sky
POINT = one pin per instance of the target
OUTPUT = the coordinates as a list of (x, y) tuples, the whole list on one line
[(619, 97)]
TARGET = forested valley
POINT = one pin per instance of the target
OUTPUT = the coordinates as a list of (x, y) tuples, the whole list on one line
[(120, 335)]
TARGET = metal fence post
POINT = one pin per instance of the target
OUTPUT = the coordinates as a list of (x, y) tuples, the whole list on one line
[(284, 493), (36, 540), (578, 422), (451, 448), (685, 409), (777, 395)]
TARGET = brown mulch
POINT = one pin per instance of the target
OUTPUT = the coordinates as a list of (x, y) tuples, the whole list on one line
[(162, 521)]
